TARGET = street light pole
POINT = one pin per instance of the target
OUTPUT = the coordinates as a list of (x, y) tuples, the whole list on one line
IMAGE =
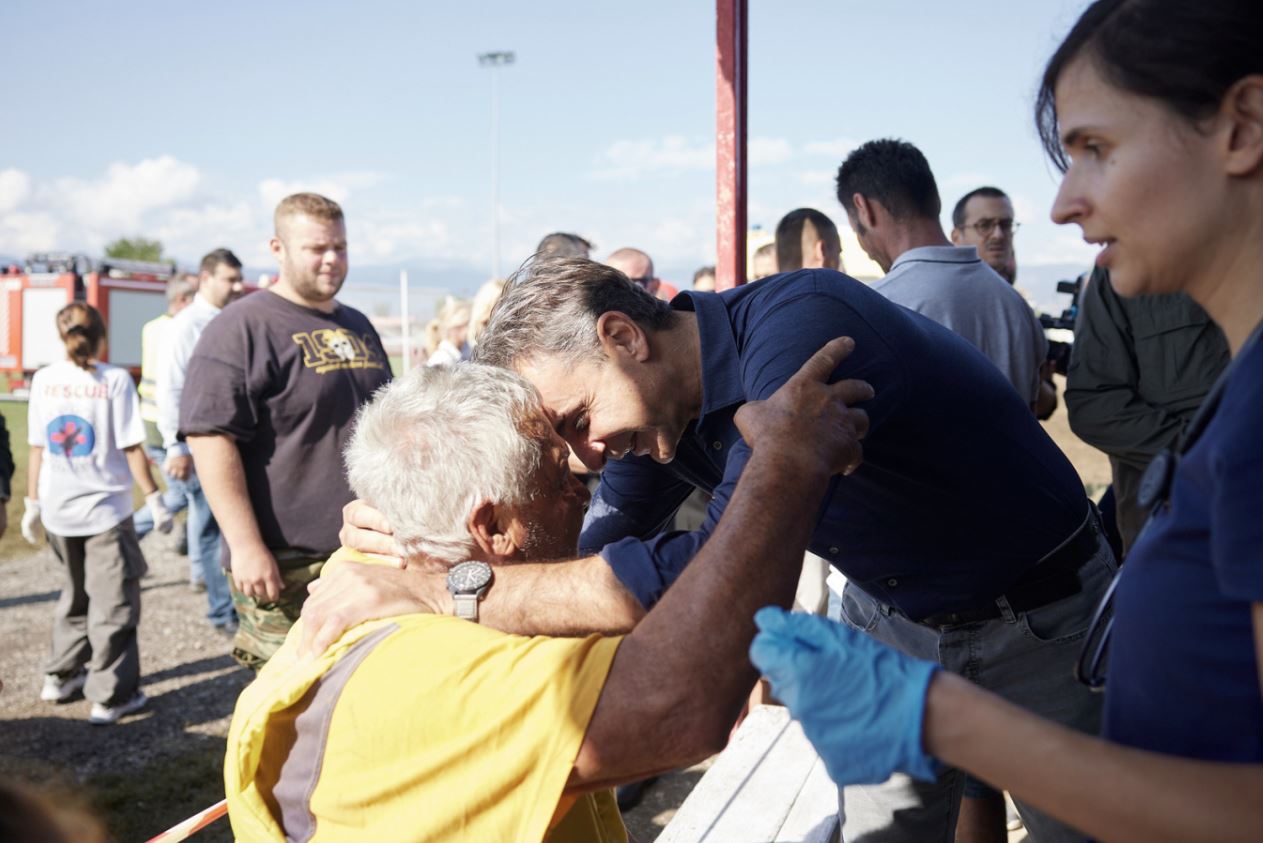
[(495, 61)]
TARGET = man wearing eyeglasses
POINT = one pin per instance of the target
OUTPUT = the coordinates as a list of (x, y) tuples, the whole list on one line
[(638, 267), (892, 202), (983, 218)]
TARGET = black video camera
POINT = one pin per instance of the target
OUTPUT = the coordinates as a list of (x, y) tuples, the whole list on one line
[(1059, 352)]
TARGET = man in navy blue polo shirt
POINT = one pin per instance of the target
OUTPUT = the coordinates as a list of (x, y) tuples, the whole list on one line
[(965, 534)]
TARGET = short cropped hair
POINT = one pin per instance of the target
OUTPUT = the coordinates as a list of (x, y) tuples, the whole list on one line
[(561, 244), (550, 307), (308, 205), (438, 441), (986, 192), (895, 173), (789, 237), (213, 260)]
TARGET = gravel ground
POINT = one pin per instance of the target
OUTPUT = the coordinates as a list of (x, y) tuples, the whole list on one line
[(186, 672)]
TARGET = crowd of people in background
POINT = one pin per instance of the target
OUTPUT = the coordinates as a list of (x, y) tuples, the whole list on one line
[(347, 526)]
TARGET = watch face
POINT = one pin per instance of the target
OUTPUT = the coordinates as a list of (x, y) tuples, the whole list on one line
[(468, 577)]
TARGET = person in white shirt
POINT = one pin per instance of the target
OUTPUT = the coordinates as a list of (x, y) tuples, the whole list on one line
[(220, 282), (86, 442), (454, 323)]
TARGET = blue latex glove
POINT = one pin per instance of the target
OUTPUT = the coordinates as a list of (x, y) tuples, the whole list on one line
[(861, 703)]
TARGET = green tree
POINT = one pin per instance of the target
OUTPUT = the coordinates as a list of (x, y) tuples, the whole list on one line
[(134, 248)]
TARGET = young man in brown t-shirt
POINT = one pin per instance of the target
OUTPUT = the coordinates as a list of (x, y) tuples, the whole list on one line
[(272, 390)]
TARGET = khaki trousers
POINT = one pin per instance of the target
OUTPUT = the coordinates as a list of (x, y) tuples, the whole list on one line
[(98, 611)]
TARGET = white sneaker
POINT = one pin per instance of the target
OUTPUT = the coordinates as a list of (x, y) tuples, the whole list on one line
[(104, 715), (59, 690)]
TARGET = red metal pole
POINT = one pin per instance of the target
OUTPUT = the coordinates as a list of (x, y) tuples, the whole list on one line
[(731, 77)]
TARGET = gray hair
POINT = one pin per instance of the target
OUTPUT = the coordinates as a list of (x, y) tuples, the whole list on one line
[(438, 441), (179, 288), (550, 307)]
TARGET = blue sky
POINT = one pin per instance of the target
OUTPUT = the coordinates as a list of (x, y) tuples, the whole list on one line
[(188, 121)]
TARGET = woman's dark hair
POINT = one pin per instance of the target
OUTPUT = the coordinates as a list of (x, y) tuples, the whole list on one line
[(1181, 53), (82, 330)]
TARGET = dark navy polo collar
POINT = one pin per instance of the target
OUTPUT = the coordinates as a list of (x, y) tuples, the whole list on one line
[(721, 367)]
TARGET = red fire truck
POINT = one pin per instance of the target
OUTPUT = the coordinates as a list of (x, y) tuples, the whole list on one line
[(128, 294)]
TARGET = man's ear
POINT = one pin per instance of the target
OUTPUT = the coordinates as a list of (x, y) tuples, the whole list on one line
[(1243, 110), (818, 257), (276, 247), (956, 235), (488, 526), (621, 337), (864, 210)]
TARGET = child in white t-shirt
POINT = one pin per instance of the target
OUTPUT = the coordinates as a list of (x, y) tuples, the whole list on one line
[(86, 442)]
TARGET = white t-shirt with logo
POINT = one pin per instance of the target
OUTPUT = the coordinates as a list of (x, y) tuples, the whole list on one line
[(83, 419)]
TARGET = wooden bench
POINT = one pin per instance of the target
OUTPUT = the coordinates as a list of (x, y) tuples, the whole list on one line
[(767, 786)]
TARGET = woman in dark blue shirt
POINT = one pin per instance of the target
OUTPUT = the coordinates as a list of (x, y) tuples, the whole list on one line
[(1153, 109)]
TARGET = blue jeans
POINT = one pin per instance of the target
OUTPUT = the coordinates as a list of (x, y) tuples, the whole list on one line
[(174, 497), (204, 547), (1028, 658)]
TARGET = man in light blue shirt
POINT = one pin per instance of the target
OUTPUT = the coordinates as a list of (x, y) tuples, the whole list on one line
[(892, 201), (220, 283)]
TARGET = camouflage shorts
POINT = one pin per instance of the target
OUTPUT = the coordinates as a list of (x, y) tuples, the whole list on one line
[(263, 626)]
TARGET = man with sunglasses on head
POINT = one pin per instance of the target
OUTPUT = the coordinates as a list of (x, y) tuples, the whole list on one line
[(892, 202), (638, 267)]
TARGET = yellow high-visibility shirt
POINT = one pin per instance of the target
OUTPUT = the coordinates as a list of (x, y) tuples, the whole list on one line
[(420, 728), (153, 342)]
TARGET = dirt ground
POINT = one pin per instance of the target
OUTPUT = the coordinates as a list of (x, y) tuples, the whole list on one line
[(154, 769)]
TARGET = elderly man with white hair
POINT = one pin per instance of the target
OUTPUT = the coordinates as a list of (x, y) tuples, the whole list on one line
[(433, 727)]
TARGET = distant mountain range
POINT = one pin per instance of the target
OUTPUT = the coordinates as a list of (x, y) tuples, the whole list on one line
[(377, 286), (374, 288), (1039, 284)]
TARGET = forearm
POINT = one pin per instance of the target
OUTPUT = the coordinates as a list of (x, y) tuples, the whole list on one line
[(1045, 403), (1111, 792), (169, 422), (572, 598), (35, 456), (1114, 419), (223, 479), (138, 464), (679, 680)]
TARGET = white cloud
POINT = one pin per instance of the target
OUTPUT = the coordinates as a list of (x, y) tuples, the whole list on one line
[(15, 187), (190, 232), (168, 199), (336, 186), (382, 241), (126, 193), (76, 214), (28, 231)]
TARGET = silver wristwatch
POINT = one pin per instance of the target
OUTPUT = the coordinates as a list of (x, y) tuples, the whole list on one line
[(468, 582)]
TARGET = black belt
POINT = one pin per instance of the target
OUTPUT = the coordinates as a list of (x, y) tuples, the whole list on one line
[(1053, 578)]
